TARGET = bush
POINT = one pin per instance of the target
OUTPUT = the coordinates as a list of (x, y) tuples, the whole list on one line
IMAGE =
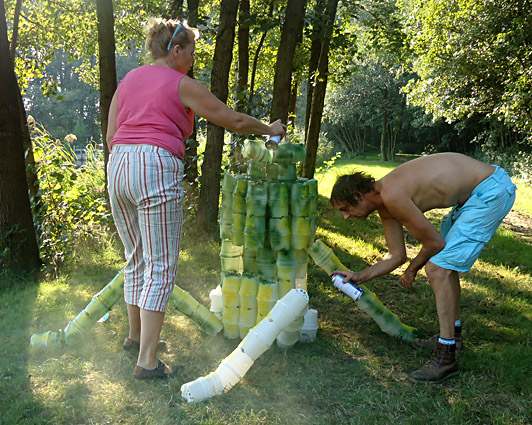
[(517, 163), (72, 204)]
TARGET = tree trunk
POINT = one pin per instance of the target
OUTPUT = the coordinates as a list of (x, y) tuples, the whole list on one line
[(242, 76), (384, 155), (243, 55), (176, 10), (18, 245), (284, 64), (106, 56), (31, 176), (315, 50), (191, 143), (296, 81), (14, 38), (256, 59), (318, 96), (221, 64)]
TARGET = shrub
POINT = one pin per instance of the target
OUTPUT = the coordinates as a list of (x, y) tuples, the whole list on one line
[(72, 203)]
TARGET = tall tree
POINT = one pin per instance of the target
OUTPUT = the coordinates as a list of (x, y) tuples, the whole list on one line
[(265, 28), (316, 37), (18, 243), (242, 77), (384, 139), (31, 176), (191, 144), (210, 170), (290, 35), (473, 57), (318, 95), (106, 54), (243, 56)]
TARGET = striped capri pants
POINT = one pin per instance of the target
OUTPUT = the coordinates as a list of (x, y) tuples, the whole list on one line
[(146, 194)]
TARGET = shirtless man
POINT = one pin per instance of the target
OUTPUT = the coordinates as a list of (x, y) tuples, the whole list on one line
[(481, 195)]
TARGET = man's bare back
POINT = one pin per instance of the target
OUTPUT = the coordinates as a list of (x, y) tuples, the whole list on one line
[(436, 181)]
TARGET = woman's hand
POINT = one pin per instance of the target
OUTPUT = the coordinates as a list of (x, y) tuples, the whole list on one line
[(276, 128)]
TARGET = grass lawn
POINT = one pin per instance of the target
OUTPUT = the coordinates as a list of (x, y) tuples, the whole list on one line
[(352, 374)]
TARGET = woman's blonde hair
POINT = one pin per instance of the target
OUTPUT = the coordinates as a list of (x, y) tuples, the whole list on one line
[(159, 36)]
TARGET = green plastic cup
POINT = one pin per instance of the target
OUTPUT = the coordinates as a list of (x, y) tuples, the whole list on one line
[(288, 153), (257, 170), (278, 199)]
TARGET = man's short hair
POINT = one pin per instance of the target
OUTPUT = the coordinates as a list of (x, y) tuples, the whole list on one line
[(350, 186)]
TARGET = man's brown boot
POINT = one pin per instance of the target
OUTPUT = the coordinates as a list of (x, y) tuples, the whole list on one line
[(442, 365)]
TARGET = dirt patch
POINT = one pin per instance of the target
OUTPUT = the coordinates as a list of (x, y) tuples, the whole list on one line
[(520, 224)]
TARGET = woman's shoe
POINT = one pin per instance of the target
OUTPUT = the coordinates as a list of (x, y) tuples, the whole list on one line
[(160, 371)]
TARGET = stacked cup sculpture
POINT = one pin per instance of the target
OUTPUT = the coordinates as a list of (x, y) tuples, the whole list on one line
[(273, 215)]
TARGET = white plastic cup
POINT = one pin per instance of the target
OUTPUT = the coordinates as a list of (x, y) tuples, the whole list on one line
[(239, 362), (267, 330), (253, 345), (311, 317), (216, 300), (282, 313), (197, 390), (308, 334), (308, 331), (228, 377), (297, 299), (296, 324), (215, 383), (287, 339)]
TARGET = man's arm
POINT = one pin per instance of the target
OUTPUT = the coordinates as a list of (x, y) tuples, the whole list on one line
[(396, 256)]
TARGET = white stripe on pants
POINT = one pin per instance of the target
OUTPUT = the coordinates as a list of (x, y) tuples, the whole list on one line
[(146, 193)]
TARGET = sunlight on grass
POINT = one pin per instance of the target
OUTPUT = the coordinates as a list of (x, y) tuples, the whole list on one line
[(523, 198), (354, 246), (326, 180)]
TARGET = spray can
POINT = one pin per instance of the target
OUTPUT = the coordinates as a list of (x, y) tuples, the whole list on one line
[(273, 142)]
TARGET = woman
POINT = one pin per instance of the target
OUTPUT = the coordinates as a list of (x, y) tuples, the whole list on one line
[(151, 115)]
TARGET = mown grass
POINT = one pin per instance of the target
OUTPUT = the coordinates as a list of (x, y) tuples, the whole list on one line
[(352, 373)]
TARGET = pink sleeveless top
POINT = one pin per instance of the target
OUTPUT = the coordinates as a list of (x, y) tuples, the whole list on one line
[(150, 110)]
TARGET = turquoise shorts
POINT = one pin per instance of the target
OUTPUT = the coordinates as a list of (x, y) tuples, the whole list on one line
[(467, 229)]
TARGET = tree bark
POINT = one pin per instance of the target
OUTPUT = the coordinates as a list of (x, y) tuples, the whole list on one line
[(284, 64), (243, 55), (384, 155), (256, 60), (18, 244), (223, 55), (107, 64), (31, 176), (242, 75), (318, 96), (14, 37), (296, 81), (191, 143), (315, 50)]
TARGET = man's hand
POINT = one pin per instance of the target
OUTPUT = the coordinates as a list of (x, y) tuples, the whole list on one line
[(407, 278), (349, 276)]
